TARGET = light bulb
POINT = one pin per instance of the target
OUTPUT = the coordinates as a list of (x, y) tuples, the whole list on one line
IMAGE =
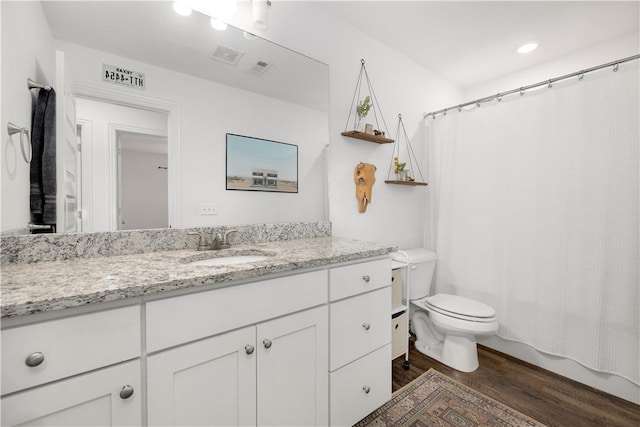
[(217, 24), (181, 9), (527, 47)]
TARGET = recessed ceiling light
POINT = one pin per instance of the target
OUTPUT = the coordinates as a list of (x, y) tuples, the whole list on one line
[(527, 47)]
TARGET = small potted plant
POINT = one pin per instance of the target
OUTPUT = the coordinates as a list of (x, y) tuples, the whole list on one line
[(399, 170), (362, 110)]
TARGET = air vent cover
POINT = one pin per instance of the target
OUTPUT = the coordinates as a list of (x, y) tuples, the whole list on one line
[(260, 67), (227, 55)]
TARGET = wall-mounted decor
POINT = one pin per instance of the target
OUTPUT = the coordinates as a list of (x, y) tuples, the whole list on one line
[(366, 103), (256, 164), (364, 176), (404, 165)]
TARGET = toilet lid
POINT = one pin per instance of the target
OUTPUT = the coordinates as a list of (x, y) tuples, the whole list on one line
[(460, 306)]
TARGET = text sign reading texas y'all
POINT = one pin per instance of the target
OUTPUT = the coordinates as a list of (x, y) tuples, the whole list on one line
[(122, 76)]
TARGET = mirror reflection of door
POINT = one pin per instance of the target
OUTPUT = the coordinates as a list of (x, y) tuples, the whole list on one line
[(142, 181), (119, 143)]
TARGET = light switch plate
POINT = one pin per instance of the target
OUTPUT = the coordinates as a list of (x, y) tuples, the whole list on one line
[(208, 209)]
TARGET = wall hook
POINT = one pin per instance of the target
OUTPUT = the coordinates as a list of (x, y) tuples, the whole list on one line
[(24, 136)]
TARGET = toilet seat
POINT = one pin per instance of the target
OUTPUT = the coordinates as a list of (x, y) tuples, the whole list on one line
[(458, 307)]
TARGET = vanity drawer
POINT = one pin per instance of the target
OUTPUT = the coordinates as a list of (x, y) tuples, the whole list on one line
[(358, 326), (349, 399), (186, 318), (68, 346), (357, 278)]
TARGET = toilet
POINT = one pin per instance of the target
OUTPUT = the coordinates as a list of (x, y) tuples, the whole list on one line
[(446, 326)]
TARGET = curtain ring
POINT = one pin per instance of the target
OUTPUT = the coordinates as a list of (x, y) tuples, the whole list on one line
[(521, 91), (459, 108), (581, 76), (549, 85), (499, 97), (24, 136), (445, 111), (615, 68)]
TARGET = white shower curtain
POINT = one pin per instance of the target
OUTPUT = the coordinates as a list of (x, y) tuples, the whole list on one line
[(535, 203)]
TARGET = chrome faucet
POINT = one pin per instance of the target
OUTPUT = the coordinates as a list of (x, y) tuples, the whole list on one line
[(219, 241), (224, 241), (203, 245)]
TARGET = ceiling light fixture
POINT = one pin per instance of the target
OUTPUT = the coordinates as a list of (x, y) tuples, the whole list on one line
[(218, 24), (527, 47), (181, 9)]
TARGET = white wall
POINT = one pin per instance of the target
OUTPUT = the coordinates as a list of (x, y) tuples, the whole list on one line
[(576, 61), (32, 57), (401, 86)]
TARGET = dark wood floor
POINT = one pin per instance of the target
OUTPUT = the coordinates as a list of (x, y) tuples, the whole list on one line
[(547, 397)]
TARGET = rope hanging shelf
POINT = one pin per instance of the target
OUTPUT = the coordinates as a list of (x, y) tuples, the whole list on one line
[(398, 168), (366, 101)]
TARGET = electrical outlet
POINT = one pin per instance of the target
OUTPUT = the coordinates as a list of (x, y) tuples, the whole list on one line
[(207, 209)]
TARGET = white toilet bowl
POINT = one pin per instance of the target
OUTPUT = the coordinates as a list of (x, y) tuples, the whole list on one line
[(446, 327)]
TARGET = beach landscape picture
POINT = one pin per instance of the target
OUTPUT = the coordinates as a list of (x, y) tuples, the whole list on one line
[(256, 164)]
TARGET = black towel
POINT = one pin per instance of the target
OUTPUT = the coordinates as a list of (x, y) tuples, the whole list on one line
[(43, 163)]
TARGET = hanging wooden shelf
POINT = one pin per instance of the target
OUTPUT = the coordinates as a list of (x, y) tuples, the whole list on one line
[(410, 183), (366, 112), (367, 137), (400, 160)]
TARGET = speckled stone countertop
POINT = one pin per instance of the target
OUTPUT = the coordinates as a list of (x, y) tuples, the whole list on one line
[(30, 288)]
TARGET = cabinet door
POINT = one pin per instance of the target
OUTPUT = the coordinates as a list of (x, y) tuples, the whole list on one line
[(98, 398), (205, 383), (293, 370)]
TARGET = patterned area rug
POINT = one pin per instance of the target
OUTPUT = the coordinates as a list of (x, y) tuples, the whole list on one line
[(434, 399)]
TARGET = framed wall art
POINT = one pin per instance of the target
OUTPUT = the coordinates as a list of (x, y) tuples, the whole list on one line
[(256, 164)]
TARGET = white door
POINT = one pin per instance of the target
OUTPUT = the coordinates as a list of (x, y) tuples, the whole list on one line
[(293, 370), (67, 156), (94, 399), (206, 383)]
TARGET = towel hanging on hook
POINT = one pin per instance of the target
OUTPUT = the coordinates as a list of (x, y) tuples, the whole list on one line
[(24, 136)]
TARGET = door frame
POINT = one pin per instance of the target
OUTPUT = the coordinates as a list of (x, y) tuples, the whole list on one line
[(172, 110)]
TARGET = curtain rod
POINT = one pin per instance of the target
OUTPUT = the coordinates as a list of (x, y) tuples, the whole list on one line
[(522, 89)]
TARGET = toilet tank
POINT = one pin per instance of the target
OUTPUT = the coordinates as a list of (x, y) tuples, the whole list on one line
[(422, 264)]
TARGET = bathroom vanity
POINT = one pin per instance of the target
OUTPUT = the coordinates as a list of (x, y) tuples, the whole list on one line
[(301, 337)]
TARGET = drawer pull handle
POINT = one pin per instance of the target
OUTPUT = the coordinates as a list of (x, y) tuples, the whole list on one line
[(366, 389), (267, 343), (366, 326), (34, 359), (366, 278), (249, 349), (126, 392)]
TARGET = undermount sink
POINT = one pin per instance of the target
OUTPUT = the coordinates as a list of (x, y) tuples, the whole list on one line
[(229, 260)]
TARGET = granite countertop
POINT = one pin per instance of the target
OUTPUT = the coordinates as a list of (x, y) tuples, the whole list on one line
[(30, 288)]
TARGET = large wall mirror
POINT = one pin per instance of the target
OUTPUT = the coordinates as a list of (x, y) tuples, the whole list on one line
[(147, 97)]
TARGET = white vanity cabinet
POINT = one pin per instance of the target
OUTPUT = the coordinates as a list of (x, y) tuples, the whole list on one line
[(81, 370), (360, 340), (272, 372)]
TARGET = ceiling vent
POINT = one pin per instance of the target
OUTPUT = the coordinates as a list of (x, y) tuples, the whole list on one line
[(260, 67), (227, 55)]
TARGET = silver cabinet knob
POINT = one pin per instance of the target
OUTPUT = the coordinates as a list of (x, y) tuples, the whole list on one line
[(34, 359), (126, 392), (267, 343), (366, 389), (366, 278), (249, 349), (366, 326)]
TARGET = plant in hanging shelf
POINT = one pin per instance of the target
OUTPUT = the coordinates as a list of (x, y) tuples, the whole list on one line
[(362, 110), (401, 173)]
